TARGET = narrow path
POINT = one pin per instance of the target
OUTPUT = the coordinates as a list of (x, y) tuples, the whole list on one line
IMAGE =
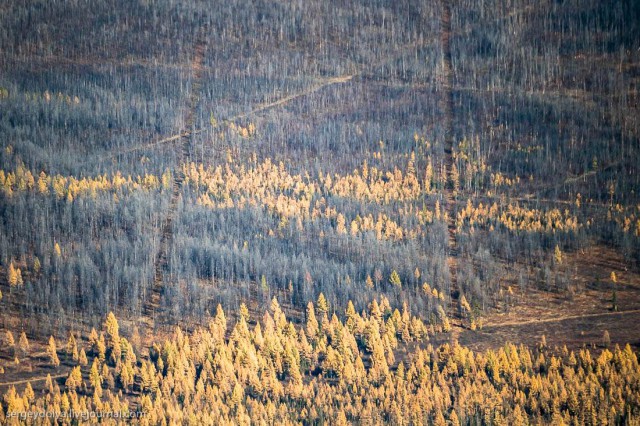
[(154, 144), (161, 264), (558, 319), (447, 106), (590, 173), (34, 379), (279, 102), (532, 199)]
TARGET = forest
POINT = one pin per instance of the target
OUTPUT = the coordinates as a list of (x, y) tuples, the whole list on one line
[(404, 208), (328, 371)]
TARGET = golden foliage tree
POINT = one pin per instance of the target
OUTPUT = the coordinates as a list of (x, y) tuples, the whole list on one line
[(52, 352)]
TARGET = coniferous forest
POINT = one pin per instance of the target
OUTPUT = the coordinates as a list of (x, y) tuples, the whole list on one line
[(320, 212)]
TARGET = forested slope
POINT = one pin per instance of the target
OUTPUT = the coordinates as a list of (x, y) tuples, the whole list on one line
[(475, 162)]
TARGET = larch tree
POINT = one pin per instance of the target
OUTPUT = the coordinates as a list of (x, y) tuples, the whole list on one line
[(9, 340), (12, 275), (341, 224), (465, 308), (312, 322), (244, 312), (351, 316), (36, 265), (428, 176), (28, 393), (23, 344), (455, 179), (322, 305), (82, 358), (394, 279), (113, 337), (52, 351), (557, 256), (369, 282), (74, 380), (57, 250)]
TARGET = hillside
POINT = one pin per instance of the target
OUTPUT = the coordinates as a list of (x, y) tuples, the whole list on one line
[(474, 165)]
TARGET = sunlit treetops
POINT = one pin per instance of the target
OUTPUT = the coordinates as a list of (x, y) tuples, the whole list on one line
[(372, 366), (245, 132), (515, 218), (49, 97), (297, 197), (69, 187), (365, 184), (371, 184), (627, 219), (300, 198)]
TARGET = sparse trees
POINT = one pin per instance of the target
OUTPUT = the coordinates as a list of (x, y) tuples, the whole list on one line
[(272, 212)]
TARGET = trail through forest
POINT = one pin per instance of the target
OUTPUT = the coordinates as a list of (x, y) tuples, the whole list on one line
[(161, 264), (447, 103), (279, 102), (559, 319)]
